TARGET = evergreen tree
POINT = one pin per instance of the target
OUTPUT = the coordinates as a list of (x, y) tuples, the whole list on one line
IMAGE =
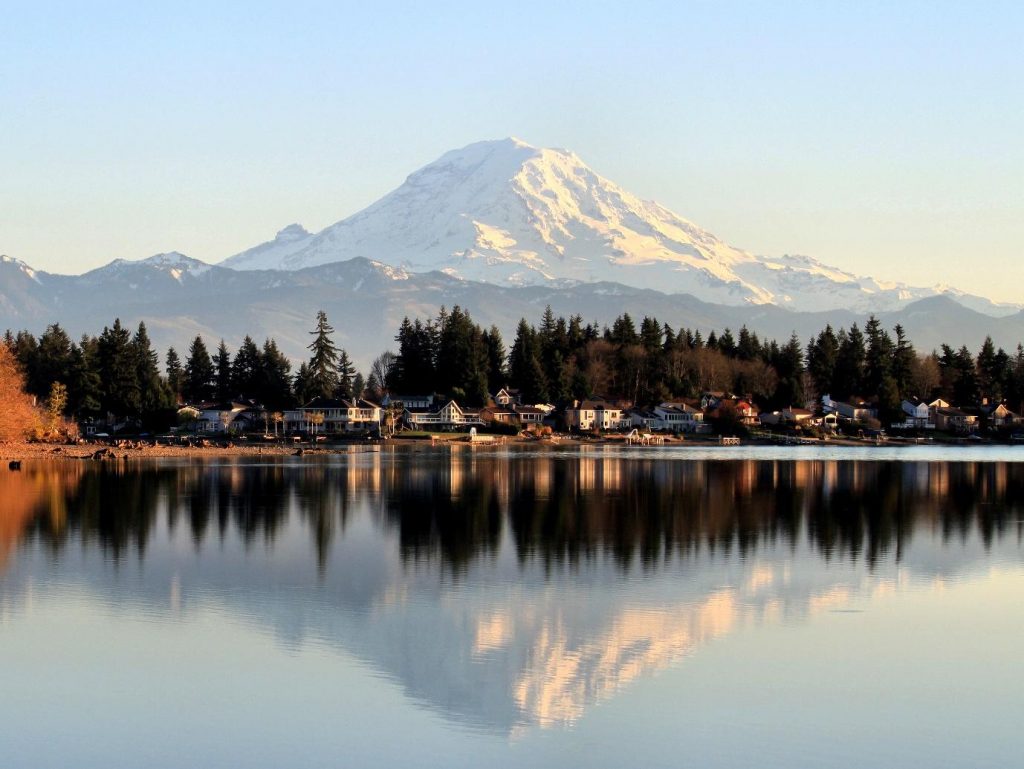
[(346, 377), (495, 348), (175, 374), (199, 373), (965, 378), (247, 369), (992, 368), (726, 344), (222, 365), (118, 373), (323, 364), (889, 404), (153, 395), (26, 353), (903, 361), (748, 347), (789, 363), (878, 357), (84, 384), (849, 370), (274, 388), (52, 361), (525, 370), (304, 387), (624, 331), (822, 358)]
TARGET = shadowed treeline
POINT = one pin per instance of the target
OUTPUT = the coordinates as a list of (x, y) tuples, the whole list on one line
[(556, 509)]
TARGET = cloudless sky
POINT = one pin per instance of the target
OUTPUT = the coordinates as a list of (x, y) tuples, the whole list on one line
[(883, 138)]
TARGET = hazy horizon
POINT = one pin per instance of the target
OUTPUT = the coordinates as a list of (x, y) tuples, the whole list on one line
[(877, 140)]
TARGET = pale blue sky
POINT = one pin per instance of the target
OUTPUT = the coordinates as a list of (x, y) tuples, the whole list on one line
[(884, 141)]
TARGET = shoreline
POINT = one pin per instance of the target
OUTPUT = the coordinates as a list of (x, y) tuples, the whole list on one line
[(24, 451)]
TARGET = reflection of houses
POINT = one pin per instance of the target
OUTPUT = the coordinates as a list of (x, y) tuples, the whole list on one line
[(680, 417), (595, 415), (451, 416), (334, 415)]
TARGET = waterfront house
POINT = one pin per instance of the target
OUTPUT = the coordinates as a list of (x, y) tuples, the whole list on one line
[(743, 410), (680, 417), (408, 401), (644, 420), (450, 416), (513, 414), (916, 415), (954, 420), (796, 415), (500, 415), (998, 416), (854, 409), (334, 415), (239, 415), (507, 396), (595, 415)]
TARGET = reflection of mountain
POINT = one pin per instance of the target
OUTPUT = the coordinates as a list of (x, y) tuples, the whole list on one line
[(509, 591)]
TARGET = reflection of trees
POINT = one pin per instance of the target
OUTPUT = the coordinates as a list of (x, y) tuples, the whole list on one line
[(439, 511), (558, 509)]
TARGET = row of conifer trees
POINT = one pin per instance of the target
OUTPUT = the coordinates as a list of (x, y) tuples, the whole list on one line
[(557, 361)]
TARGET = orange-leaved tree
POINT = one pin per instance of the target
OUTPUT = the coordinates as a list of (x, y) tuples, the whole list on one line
[(17, 412)]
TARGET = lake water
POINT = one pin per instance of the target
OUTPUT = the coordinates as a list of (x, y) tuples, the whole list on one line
[(505, 607)]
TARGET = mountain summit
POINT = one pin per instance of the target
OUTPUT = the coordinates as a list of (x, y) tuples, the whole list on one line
[(508, 213)]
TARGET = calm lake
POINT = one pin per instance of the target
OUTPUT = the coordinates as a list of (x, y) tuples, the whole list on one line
[(507, 607)]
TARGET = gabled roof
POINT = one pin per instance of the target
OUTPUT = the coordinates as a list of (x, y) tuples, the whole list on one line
[(320, 402), (597, 405), (680, 406), (527, 409)]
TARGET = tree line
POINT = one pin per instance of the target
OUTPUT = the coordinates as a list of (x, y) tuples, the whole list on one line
[(557, 361), (564, 359)]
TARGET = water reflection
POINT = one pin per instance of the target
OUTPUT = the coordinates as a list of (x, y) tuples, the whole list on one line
[(504, 591), (557, 509)]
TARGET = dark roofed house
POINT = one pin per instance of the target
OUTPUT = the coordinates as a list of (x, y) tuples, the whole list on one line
[(954, 420), (999, 416)]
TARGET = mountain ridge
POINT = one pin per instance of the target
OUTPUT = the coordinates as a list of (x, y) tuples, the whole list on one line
[(366, 301)]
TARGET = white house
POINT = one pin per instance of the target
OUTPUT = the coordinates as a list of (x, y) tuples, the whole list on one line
[(679, 417), (856, 409), (451, 416), (234, 416), (916, 415), (333, 415), (507, 396), (595, 415)]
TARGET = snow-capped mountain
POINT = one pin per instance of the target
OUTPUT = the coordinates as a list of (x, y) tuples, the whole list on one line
[(173, 266), (508, 213)]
